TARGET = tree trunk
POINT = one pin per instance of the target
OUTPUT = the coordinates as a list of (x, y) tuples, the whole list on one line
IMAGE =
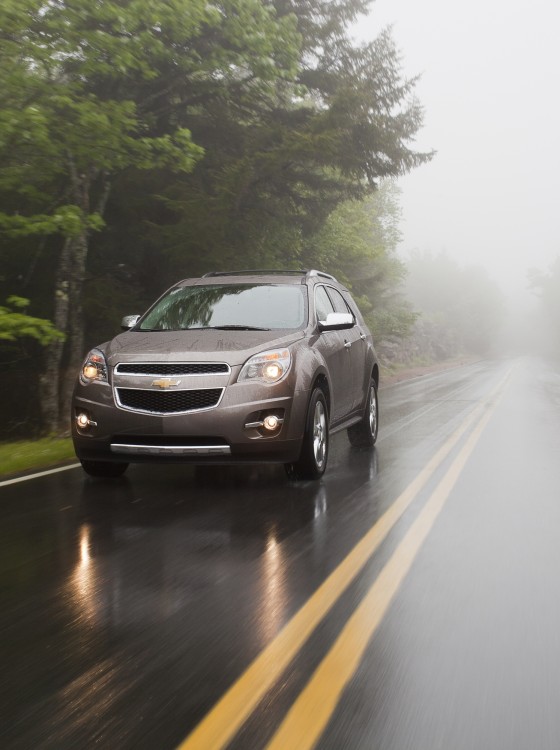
[(56, 387), (75, 327), (49, 379)]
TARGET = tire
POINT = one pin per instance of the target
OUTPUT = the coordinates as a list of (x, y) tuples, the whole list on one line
[(107, 469), (363, 434), (315, 446)]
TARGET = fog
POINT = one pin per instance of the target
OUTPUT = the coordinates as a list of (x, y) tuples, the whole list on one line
[(489, 72)]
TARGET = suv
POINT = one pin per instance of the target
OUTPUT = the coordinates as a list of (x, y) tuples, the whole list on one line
[(236, 367)]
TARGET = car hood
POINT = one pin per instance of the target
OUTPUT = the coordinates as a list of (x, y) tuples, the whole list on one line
[(233, 347)]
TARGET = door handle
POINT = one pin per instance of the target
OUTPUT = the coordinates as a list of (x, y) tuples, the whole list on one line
[(363, 336), (347, 345)]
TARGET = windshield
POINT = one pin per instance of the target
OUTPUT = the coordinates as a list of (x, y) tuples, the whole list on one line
[(231, 306)]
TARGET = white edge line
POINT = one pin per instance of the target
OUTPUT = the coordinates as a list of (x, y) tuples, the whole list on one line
[(39, 474)]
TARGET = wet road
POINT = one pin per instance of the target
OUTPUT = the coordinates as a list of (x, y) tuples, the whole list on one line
[(408, 600)]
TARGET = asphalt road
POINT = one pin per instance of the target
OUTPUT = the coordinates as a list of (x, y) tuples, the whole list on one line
[(408, 600)]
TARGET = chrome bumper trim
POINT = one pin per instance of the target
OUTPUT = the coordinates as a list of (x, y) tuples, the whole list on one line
[(171, 450)]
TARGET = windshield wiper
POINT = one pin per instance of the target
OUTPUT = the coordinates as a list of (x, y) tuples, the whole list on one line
[(208, 328), (238, 328)]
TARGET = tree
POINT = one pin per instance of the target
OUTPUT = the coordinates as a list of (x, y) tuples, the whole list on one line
[(82, 89), (276, 166), (461, 308), (358, 245), (22, 337), (16, 324), (546, 286), (182, 136)]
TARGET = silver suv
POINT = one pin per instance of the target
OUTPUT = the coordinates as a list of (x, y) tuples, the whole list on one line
[(238, 367)]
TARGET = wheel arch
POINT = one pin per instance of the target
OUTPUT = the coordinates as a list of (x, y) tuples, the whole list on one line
[(321, 381), (375, 374)]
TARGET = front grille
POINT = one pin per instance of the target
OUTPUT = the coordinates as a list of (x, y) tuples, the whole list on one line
[(168, 402), (173, 368)]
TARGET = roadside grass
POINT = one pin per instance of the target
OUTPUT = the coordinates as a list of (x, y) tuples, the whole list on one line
[(25, 455)]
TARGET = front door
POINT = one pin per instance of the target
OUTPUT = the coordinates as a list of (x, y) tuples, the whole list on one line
[(338, 358), (356, 348)]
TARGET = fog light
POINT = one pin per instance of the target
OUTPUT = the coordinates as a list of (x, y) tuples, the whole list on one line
[(83, 421), (271, 422)]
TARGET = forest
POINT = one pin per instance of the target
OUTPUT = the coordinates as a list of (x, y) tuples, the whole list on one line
[(142, 142)]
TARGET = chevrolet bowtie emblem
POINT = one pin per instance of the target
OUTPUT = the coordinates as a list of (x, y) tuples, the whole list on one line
[(165, 383)]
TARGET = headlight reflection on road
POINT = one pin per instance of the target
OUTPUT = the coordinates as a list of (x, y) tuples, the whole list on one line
[(83, 578), (273, 600), (85, 558)]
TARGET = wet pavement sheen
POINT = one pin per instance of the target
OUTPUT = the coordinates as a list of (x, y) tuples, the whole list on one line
[(129, 607)]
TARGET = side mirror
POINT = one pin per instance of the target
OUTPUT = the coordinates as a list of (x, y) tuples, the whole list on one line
[(337, 322), (129, 321)]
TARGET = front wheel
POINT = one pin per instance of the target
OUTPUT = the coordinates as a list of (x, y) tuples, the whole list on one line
[(107, 469), (315, 447), (363, 434)]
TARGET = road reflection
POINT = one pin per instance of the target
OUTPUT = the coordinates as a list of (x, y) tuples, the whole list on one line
[(149, 547), (273, 591), (141, 562), (82, 581), (85, 557), (163, 584)]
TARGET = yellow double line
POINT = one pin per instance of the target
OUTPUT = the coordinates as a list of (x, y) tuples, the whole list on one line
[(312, 710)]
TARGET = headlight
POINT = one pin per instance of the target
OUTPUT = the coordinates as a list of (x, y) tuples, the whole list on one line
[(267, 367), (94, 368)]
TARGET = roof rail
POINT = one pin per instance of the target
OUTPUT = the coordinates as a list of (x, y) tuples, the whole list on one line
[(258, 272), (307, 274), (323, 275)]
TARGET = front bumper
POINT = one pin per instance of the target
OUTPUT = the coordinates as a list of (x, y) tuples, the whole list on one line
[(216, 435)]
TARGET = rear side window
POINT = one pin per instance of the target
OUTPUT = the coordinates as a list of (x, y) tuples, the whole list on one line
[(353, 308), (339, 304)]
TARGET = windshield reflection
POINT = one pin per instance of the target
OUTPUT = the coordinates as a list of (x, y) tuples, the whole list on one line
[(264, 306)]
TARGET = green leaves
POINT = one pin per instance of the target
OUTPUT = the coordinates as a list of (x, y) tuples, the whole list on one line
[(176, 151), (260, 125), (15, 324), (357, 244), (91, 89), (68, 221)]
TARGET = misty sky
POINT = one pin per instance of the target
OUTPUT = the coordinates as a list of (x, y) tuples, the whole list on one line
[(490, 73)]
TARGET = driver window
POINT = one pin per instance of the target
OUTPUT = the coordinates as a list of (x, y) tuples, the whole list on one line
[(323, 305)]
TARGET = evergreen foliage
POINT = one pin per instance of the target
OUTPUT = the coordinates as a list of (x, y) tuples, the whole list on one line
[(16, 324), (144, 141), (461, 309)]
